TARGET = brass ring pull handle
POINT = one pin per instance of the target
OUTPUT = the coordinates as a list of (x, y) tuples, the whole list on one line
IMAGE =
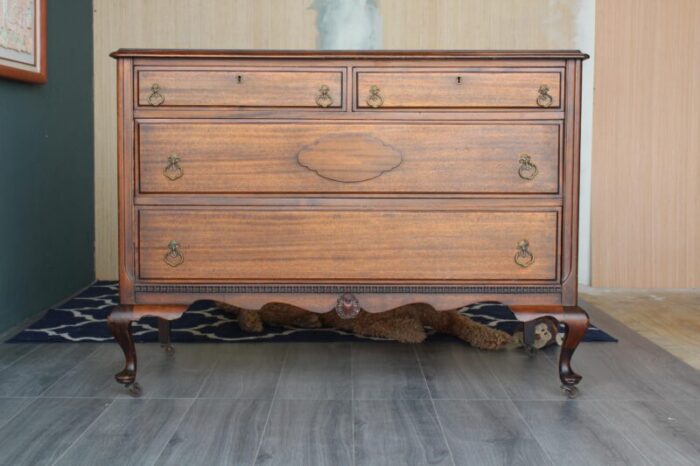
[(324, 99), (544, 99), (527, 170), (156, 98), (173, 257), (375, 100), (173, 170), (524, 257)]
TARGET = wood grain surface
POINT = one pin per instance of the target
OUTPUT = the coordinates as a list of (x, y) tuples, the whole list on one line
[(212, 432), (242, 87), (399, 432), (646, 167), (456, 89), (498, 437), (308, 432), (232, 157), (23, 441), (273, 245), (126, 433)]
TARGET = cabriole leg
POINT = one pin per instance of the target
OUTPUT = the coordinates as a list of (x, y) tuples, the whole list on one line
[(119, 322), (576, 321)]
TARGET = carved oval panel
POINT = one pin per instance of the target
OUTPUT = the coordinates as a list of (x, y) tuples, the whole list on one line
[(349, 158)]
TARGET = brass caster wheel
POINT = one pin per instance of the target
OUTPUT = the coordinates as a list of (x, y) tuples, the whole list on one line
[(169, 349), (570, 390), (134, 389)]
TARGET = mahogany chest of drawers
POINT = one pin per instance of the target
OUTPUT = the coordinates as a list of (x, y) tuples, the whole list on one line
[(374, 178)]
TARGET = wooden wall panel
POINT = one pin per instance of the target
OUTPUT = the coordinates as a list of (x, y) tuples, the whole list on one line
[(646, 144), (291, 24), (479, 24)]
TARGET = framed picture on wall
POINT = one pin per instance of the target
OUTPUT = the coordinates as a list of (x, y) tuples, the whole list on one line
[(23, 40)]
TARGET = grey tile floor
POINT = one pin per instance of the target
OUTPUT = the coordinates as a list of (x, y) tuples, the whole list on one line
[(342, 404)]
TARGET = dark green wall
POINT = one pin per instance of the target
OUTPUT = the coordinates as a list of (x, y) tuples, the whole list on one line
[(46, 173)]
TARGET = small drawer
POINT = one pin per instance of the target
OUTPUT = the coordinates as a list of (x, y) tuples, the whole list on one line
[(453, 89), (240, 88), (347, 245), (211, 157)]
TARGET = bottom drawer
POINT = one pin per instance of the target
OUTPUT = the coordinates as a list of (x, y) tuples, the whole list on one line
[(347, 245)]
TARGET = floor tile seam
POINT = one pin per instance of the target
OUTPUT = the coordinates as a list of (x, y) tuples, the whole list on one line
[(36, 347), (66, 397), (623, 432), (269, 411), (532, 432), (352, 407), (67, 372), (278, 380), (8, 420), (207, 377), (432, 404), (467, 398), (175, 429), (494, 375), (237, 398), (581, 399), (118, 397), (367, 400), (82, 434)]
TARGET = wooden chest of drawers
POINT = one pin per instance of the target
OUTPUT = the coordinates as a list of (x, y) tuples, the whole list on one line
[(383, 177)]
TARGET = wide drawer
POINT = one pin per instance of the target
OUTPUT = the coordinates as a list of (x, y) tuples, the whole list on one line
[(347, 245), (240, 88), (226, 157), (452, 89)]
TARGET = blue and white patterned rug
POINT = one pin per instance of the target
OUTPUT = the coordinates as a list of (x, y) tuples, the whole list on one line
[(84, 319)]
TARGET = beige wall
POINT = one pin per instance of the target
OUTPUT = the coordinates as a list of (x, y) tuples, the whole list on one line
[(173, 24), (419, 24), (646, 189)]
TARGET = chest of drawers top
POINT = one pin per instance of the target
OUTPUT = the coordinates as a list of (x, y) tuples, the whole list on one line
[(341, 83)]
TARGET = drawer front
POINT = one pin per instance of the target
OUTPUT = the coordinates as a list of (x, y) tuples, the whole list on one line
[(240, 88), (344, 245), (348, 158), (455, 89)]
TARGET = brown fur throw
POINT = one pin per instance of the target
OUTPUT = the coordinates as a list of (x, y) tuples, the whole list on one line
[(405, 324)]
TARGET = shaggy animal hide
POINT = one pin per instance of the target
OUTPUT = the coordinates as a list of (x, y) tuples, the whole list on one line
[(406, 324)]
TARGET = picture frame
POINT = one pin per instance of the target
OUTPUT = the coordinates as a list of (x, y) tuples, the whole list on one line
[(23, 40)]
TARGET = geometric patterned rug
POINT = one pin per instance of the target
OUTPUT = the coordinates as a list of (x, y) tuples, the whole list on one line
[(84, 319)]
